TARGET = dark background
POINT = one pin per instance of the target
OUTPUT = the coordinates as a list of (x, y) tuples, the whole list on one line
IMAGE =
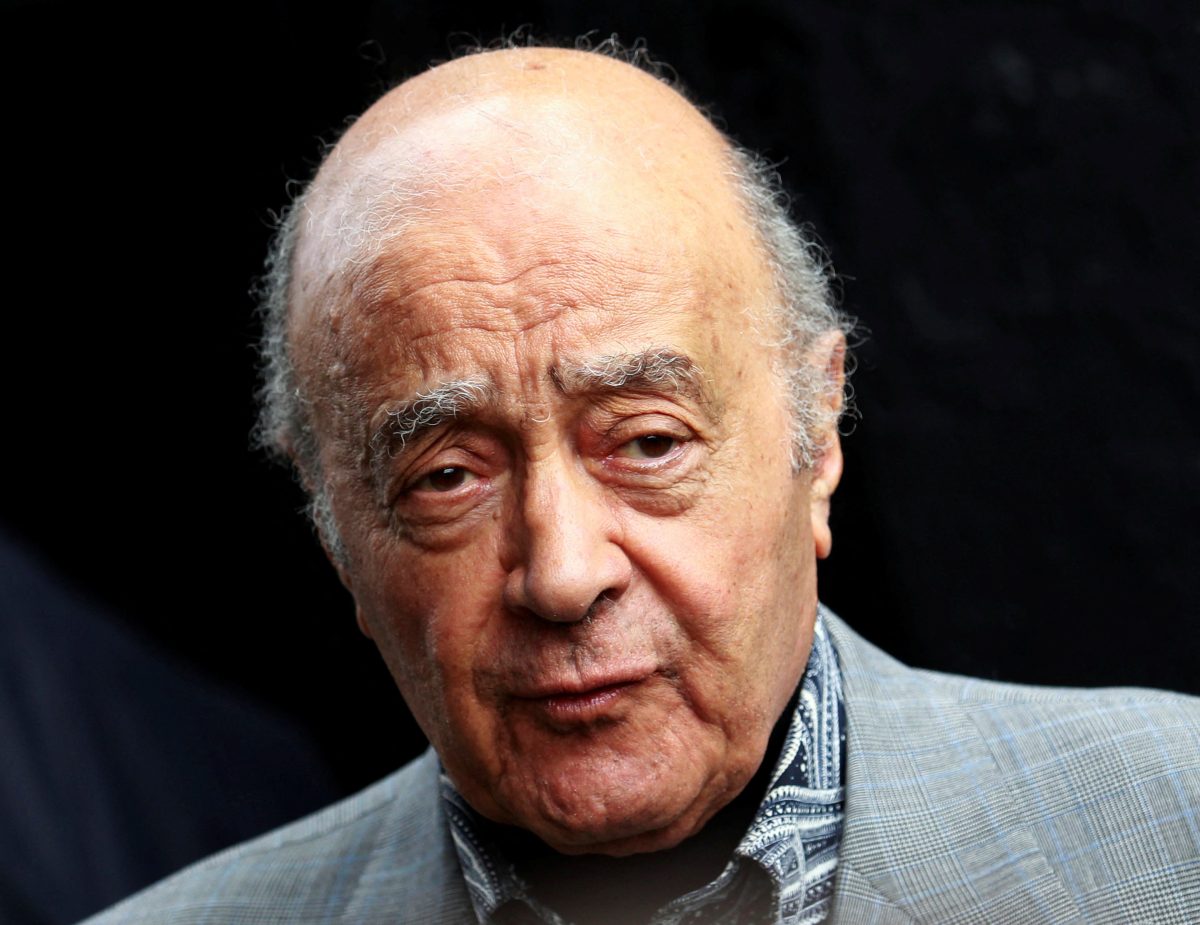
[(1009, 190)]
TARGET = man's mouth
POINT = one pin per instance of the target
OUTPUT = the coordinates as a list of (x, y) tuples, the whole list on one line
[(569, 706), (584, 706)]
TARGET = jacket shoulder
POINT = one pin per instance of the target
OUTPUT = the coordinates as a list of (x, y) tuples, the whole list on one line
[(1110, 782), (1054, 713), (382, 855), (1102, 784)]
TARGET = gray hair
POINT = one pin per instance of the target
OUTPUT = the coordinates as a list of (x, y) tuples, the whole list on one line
[(804, 310), (804, 307)]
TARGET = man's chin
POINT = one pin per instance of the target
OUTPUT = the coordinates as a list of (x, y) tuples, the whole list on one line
[(615, 788), (613, 820), (618, 845)]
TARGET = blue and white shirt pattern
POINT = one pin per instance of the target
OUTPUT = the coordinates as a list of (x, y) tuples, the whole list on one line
[(793, 838)]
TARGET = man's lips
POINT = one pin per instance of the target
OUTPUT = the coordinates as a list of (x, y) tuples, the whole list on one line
[(585, 706), (575, 702)]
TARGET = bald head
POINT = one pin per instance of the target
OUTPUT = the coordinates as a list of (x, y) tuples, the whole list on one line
[(541, 136), (518, 128), (535, 96)]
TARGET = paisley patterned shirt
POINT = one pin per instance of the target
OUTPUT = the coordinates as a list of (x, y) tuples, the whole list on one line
[(782, 870)]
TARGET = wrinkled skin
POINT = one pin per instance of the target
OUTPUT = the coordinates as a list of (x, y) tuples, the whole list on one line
[(595, 599)]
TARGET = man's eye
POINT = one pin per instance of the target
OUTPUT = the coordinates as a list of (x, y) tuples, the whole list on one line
[(651, 446), (446, 479)]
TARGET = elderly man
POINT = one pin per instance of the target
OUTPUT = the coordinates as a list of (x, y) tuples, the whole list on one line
[(563, 384)]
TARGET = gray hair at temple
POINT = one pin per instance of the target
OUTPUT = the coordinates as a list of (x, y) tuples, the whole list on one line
[(804, 310)]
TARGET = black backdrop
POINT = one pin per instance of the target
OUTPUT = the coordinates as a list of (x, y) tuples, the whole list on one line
[(1009, 190)]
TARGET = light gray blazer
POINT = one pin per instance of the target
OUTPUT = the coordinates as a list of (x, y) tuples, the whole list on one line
[(966, 801)]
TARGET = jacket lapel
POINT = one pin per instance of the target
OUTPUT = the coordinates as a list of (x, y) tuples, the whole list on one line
[(931, 832), (410, 872)]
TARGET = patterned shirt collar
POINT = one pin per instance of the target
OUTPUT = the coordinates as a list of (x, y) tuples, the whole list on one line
[(793, 838)]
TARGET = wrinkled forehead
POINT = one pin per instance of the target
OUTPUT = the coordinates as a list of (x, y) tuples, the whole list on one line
[(510, 254), (600, 188)]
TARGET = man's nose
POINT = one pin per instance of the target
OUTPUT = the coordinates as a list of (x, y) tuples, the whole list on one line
[(567, 554)]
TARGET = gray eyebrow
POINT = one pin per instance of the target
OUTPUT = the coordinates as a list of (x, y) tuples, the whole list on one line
[(657, 369), (425, 411)]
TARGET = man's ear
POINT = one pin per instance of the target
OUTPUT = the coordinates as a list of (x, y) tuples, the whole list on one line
[(830, 354), (322, 517), (343, 574)]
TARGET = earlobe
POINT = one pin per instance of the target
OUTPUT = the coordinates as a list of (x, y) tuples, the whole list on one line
[(343, 574), (827, 470), (360, 617), (826, 475)]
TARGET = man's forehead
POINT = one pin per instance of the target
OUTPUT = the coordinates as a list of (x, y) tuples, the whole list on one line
[(499, 159), (513, 264), (509, 256), (534, 328)]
